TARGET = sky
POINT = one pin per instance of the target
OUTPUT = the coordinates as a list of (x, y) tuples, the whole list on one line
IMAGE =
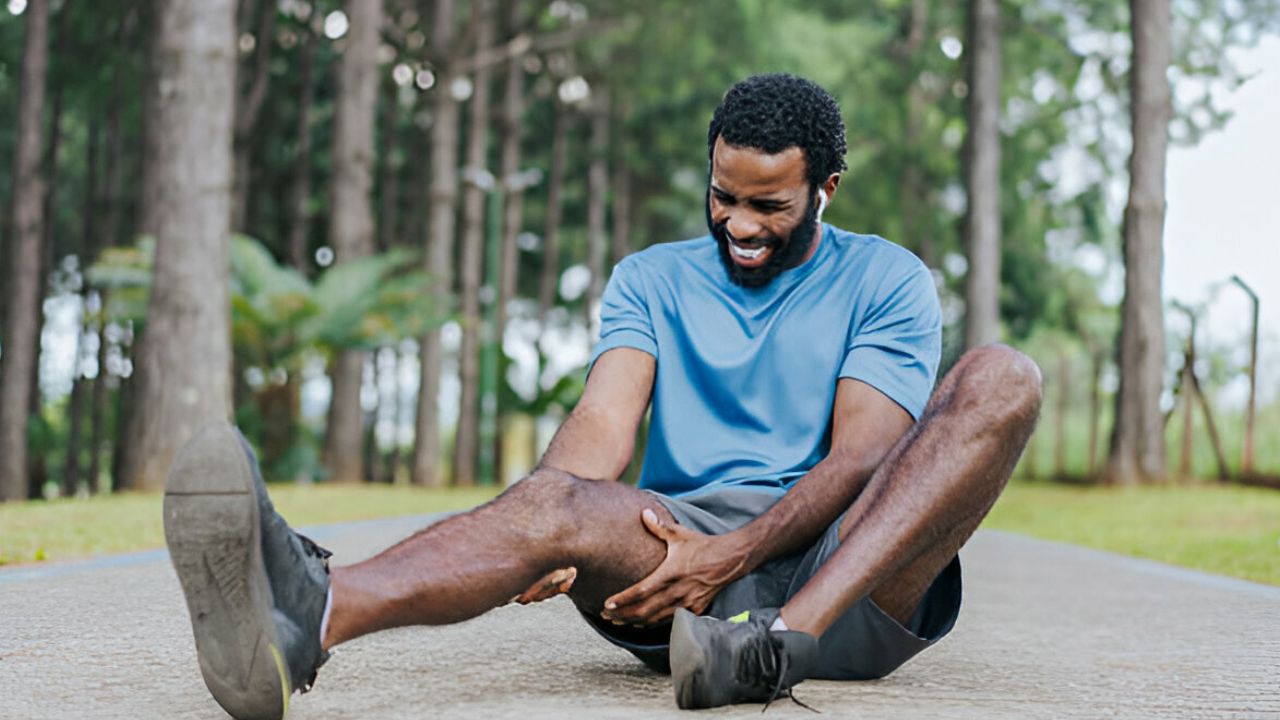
[(1223, 198)]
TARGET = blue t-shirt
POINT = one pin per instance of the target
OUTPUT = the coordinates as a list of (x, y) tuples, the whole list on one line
[(746, 378)]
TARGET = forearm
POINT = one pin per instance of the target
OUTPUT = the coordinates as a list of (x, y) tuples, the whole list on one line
[(808, 509)]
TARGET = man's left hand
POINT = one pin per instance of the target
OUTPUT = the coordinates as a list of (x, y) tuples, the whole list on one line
[(696, 568)]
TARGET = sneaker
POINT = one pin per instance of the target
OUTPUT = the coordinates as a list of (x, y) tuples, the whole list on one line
[(256, 590), (721, 662)]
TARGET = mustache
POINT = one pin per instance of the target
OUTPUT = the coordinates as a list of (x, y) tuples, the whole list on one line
[(721, 233)]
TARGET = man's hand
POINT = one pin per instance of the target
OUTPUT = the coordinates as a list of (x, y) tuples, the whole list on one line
[(697, 567), (554, 583)]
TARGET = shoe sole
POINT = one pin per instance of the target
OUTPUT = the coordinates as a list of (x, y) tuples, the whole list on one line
[(688, 663), (211, 526)]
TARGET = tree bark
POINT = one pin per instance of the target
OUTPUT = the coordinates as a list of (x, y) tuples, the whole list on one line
[(597, 197), (912, 189), (467, 442), (248, 108), (300, 183), (71, 467), (184, 356), (982, 176), (21, 327), (512, 205), (621, 237), (550, 279), (1137, 443), (513, 191), (443, 201), (351, 230)]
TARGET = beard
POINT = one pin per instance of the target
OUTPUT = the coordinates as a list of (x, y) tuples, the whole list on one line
[(785, 253)]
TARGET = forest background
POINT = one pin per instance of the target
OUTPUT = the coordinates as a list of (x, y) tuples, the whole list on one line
[(319, 218)]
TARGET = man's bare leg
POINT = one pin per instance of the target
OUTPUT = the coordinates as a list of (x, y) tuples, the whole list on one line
[(930, 493), (468, 564)]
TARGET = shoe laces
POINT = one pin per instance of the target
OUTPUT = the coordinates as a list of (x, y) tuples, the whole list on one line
[(763, 664)]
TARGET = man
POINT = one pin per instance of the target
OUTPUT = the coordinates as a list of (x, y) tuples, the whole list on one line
[(802, 499)]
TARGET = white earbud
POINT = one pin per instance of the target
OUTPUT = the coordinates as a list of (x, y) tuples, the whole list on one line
[(822, 201)]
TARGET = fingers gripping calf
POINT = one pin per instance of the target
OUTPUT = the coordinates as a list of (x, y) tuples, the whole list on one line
[(593, 526)]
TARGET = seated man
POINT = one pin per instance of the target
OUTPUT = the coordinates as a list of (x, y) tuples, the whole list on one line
[(802, 498)]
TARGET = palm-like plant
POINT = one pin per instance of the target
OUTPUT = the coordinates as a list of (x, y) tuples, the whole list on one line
[(280, 319)]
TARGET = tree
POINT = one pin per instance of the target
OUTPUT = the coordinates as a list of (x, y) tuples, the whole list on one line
[(351, 224), (982, 176), (184, 360), (467, 441), (21, 327), (1137, 440), (443, 202)]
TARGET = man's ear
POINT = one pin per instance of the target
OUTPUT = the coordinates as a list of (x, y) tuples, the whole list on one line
[(829, 186)]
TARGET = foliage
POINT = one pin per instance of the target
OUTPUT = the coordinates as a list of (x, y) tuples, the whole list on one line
[(278, 315)]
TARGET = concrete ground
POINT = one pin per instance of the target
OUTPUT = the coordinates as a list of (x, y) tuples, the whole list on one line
[(1047, 631)]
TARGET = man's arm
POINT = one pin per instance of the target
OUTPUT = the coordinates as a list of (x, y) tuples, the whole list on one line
[(865, 426), (598, 438)]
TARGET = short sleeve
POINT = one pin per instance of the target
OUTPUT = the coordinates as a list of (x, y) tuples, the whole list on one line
[(897, 345), (624, 313)]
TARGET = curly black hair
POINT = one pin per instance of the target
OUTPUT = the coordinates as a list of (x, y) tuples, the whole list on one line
[(774, 112)]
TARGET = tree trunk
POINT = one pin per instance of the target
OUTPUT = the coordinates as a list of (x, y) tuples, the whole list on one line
[(912, 189), (21, 327), (443, 201), (351, 225), (389, 171), (467, 442), (98, 402), (512, 207), (597, 197), (513, 189), (75, 404), (1095, 406), (621, 205), (300, 184), (982, 176), (184, 358), (248, 108), (1137, 443), (550, 279)]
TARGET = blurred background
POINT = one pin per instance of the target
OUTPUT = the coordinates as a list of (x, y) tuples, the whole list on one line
[(375, 232)]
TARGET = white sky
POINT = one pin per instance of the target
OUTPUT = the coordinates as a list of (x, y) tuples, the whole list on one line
[(1222, 198)]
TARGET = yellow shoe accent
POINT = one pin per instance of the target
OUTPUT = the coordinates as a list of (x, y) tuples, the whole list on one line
[(740, 617), (284, 678)]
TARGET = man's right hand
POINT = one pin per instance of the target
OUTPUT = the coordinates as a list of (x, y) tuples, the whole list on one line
[(554, 583)]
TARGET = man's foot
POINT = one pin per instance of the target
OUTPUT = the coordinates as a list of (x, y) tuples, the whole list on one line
[(256, 590), (721, 662)]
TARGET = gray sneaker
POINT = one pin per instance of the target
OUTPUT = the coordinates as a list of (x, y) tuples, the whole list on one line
[(256, 590), (722, 662)]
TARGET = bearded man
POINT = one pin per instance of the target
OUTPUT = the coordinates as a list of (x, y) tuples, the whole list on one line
[(805, 486)]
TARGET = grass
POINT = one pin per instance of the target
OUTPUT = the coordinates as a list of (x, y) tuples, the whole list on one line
[(1220, 529), (76, 528), (1227, 530)]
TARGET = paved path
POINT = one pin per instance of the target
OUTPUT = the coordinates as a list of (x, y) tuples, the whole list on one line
[(1047, 631)]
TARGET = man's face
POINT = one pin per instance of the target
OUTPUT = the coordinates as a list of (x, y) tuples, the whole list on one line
[(761, 210)]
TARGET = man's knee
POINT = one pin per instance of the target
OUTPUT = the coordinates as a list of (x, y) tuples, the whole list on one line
[(1000, 382), (553, 501)]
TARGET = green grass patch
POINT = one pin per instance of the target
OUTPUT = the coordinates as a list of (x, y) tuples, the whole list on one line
[(1227, 530), (75, 528)]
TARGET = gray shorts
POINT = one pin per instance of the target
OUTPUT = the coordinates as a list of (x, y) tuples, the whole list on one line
[(863, 644)]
